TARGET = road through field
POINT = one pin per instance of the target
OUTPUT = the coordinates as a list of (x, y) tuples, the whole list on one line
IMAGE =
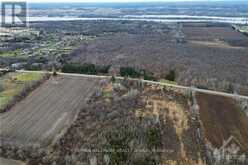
[(47, 111), (206, 91)]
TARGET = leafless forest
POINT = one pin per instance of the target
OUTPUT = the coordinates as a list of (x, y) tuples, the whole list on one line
[(205, 55)]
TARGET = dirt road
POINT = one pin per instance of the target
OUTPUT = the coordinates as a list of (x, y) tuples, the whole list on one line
[(158, 83)]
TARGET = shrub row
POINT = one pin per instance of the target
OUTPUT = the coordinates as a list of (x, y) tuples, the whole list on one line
[(134, 73), (3, 72), (85, 69), (124, 71)]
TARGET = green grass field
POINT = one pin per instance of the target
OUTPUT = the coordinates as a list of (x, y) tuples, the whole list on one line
[(12, 84), (243, 29), (168, 81), (15, 53)]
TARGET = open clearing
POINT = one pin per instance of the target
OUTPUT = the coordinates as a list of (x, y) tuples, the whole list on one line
[(137, 120), (46, 111)]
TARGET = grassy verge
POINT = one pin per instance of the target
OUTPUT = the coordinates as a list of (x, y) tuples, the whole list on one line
[(13, 86), (168, 81)]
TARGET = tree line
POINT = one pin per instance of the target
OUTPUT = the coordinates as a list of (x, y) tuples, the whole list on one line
[(132, 72)]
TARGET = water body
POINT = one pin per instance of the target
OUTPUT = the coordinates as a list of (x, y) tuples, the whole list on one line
[(150, 18)]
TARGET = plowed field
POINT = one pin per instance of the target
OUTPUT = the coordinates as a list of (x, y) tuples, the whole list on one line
[(47, 111), (221, 119)]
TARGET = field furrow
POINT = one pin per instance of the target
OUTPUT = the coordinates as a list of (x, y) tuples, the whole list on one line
[(42, 115)]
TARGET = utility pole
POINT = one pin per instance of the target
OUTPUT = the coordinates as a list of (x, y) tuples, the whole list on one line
[(53, 65)]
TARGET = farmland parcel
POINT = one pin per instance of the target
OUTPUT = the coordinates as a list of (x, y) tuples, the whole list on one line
[(43, 115)]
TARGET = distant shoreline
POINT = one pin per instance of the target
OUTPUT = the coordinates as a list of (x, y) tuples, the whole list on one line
[(149, 18)]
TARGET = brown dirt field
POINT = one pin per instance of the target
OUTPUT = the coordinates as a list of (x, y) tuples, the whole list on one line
[(42, 115), (211, 33), (221, 118), (216, 44)]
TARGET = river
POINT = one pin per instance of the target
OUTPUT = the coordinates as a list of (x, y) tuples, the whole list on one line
[(152, 18)]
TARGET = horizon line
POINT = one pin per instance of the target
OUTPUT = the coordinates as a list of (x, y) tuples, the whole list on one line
[(170, 1), (124, 1)]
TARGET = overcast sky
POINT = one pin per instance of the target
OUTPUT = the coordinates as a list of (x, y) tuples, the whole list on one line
[(60, 1)]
